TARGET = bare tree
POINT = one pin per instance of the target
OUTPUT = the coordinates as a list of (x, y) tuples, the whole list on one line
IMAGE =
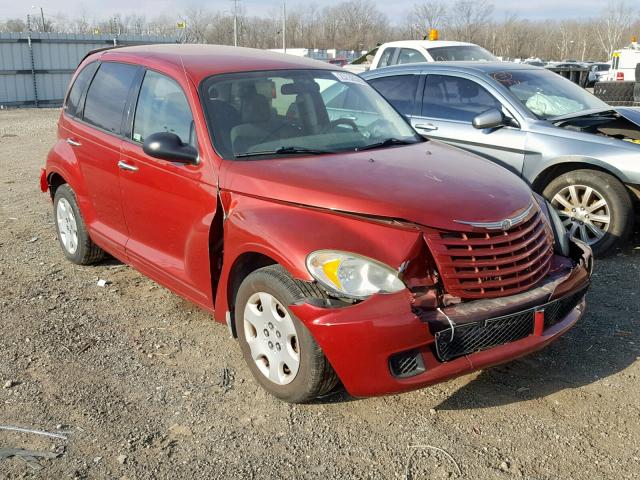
[(359, 25), (426, 16), (467, 19), (615, 21), (13, 25), (199, 21)]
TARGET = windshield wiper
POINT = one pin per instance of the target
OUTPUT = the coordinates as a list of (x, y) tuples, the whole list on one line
[(285, 151), (583, 113), (385, 143)]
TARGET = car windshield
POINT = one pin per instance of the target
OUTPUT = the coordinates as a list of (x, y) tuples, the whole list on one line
[(305, 112), (460, 53), (546, 94)]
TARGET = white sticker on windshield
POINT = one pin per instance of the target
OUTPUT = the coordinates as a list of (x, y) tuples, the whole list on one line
[(349, 77)]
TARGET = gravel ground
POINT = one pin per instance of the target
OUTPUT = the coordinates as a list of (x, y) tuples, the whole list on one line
[(145, 385)]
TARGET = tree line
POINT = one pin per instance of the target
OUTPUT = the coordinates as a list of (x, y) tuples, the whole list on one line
[(360, 25)]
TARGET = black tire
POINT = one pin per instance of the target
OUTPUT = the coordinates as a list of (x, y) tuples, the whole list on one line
[(87, 252), (315, 376), (636, 92), (614, 93), (616, 196)]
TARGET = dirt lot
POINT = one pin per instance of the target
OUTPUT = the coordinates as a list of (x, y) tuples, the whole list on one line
[(145, 385)]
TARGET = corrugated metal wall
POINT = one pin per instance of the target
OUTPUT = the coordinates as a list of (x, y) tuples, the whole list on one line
[(36, 68)]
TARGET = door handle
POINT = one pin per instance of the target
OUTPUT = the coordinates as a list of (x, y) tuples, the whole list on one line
[(73, 143), (122, 165), (429, 127)]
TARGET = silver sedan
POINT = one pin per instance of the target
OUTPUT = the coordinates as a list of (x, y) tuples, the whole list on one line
[(580, 153)]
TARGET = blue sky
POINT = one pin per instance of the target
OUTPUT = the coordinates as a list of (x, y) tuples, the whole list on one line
[(397, 10)]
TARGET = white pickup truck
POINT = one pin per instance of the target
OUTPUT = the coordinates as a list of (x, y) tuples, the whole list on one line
[(623, 64), (416, 51)]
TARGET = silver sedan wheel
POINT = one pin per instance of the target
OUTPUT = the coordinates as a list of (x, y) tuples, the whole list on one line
[(584, 212), (67, 226), (272, 338)]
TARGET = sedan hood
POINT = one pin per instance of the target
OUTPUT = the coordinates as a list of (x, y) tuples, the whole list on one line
[(630, 113), (429, 183)]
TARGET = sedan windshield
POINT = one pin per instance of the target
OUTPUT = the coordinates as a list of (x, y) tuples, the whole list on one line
[(546, 94), (298, 112), (459, 53)]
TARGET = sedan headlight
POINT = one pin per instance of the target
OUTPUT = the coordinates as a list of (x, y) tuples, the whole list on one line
[(351, 275)]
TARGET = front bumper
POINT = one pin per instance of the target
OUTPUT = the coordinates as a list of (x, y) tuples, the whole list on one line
[(360, 340)]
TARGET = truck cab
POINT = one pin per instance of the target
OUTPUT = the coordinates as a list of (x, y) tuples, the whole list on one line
[(623, 63), (419, 51)]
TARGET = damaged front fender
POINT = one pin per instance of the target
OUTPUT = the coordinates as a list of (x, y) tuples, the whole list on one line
[(287, 233)]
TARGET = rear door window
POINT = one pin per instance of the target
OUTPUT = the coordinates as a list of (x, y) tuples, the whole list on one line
[(72, 105), (399, 90), (455, 98), (108, 95), (409, 55), (162, 107), (386, 57)]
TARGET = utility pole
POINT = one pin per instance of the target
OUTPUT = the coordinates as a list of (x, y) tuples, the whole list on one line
[(44, 25), (284, 27), (235, 23)]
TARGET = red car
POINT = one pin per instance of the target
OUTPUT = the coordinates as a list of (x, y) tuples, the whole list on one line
[(340, 62), (293, 202)]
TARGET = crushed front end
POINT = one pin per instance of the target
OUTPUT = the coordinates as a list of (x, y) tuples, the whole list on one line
[(475, 298)]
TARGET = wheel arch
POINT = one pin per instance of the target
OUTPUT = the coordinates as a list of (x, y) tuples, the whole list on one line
[(245, 264), (561, 167), (54, 180)]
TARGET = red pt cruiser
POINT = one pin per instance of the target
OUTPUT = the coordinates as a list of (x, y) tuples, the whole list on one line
[(291, 200)]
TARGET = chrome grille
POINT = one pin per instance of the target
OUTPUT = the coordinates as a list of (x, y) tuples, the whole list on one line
[(493, 264)]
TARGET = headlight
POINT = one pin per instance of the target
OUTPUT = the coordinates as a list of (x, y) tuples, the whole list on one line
[(559, 232), (351, 275)]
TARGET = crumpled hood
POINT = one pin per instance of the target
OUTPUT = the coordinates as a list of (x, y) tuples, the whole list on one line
[(630, 113), (429, 183)]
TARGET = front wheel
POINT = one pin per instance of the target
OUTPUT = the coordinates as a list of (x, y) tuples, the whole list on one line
[(281, 353), (595, 207)]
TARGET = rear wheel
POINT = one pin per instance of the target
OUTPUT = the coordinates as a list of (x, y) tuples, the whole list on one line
[(72, 232), (281, 353), (595, 207)]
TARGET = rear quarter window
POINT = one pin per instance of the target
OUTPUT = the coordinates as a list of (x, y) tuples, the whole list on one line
[(72, 105), (108, 95)]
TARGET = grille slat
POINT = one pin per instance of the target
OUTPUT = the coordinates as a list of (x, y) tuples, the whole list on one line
[(542, 253), (497, 250), (478, 336), (493, 264), (486, 239)]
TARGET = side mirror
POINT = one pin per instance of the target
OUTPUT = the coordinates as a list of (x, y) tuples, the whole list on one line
[(168, 146), (490, 119)]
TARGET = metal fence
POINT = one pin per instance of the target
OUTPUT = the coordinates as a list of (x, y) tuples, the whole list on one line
[(35, 68)]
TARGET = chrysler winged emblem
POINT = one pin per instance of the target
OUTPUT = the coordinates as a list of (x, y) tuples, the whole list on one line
[(504, 225)]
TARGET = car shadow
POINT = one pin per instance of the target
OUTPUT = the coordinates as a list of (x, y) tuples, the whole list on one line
[(110, 261), (604, 342)]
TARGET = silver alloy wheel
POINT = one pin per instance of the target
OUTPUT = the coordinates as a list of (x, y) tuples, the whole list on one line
[(584, 212), (272, 338), (67, 226)]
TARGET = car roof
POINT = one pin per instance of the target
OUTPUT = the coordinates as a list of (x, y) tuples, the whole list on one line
[(201, 61), (425, 43), (467, 66)]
